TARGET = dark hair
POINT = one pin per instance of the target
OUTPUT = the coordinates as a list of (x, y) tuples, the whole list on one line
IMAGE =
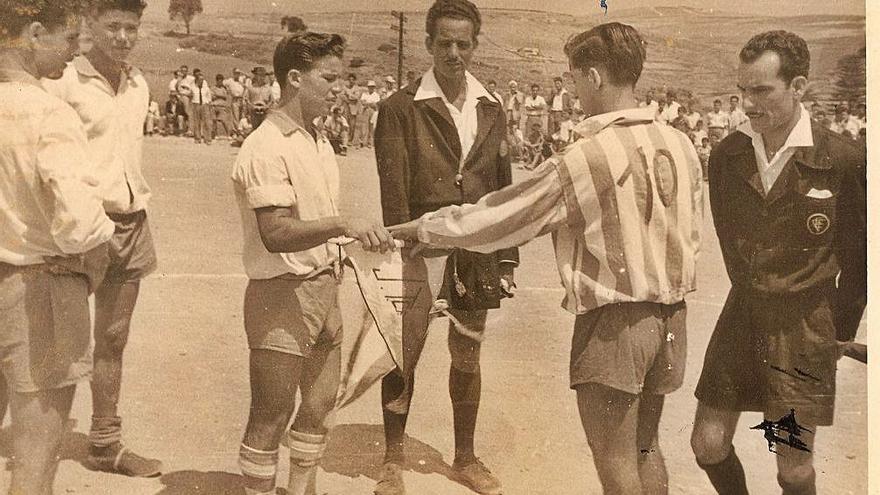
[(300, 51), (616, 47), (535, 85), (456, 9), (794, 55), (734, 97), (219, 76), (101, 6), (492, 81), (197, 71), (717, 100), (16, 14), (557, 78)]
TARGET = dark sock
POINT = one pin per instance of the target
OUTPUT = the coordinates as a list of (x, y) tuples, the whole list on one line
[(806, 487), (393, 386), (727, 476), (464, 390)]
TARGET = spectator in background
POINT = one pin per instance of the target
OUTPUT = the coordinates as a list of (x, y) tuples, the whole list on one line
[(336, 130), (352, 97), (536, 109), (861, 116), (409, 78), (369, 103), (185, 93), (650, 101), (815, 109), (660, 114), (201, 108), (699, 133), (389, 89), (681, 121), (221, 107), (736, 115), (704, 149), (717, 121), (235, 86), (560, 104), (257, 97), (175, 116), (534, 145), (172, 85), (843, 123), (514, 104), (153, 123), (693, 116), (276, 88), (672, 106), (492, 88)]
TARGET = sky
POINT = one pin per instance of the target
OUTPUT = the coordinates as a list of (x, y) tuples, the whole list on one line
[(575, 7)]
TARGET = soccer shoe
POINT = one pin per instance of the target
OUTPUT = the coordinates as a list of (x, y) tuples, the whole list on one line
[(477, 477), (390, 481), (120, 460)]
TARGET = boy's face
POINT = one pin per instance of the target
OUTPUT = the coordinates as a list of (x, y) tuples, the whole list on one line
[(114, 32), (56, 47), (315, 85)]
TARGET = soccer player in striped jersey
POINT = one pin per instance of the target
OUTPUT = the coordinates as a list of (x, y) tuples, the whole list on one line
[(624, 204)]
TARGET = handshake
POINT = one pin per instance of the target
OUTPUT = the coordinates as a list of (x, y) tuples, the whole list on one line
[(373, 236)]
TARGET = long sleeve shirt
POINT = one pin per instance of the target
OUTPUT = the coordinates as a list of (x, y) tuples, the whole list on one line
[(624, 204)]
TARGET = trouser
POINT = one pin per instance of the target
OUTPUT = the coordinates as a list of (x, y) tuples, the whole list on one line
[(556, 118), (201, 124), (188, 108), (222, 115), (237, 111)]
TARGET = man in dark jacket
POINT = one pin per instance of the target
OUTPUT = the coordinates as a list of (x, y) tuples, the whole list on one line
[(788, 201), (442, 141)]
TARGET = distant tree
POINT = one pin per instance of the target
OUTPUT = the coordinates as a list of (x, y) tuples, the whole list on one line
[(185, 10), (293, 24), (851, 78)]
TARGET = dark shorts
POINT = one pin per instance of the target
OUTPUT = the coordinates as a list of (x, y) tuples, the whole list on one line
[(45, 329), (293, 315), (637, 348), (772, 355), (132, 255), (480, 275)]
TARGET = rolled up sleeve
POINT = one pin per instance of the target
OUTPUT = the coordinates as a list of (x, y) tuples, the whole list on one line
[(264, 180), (78, 223)]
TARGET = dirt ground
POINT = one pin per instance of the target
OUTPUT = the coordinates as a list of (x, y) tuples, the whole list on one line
[(185, 393)]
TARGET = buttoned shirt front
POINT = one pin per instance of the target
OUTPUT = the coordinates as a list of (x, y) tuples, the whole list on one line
[(465, 120), (113, 121), (800, 136), (281, 165), (49, 206)]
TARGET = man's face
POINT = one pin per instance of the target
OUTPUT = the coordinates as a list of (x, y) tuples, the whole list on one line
[(558, 85), (768, 101), (861, 111), (183, 71), (649, 97), (534, 91), (512, 88), (734, 103), (56, 47), (315, 85), (491, 87), (452, 46), (717, 106), (198, 77), (259, 79), (114, 32), (842, 115)]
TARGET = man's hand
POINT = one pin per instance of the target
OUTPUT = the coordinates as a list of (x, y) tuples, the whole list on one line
[(508, 286), (408, 231), (859, 352), (373, 236)]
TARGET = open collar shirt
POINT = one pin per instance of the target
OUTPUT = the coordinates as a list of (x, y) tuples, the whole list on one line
[(49, 206), (465, 120), (281, 165), (800, 136), (114, 124)]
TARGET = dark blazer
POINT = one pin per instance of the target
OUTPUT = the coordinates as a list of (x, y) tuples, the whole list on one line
[(791, 241), (418, 154)]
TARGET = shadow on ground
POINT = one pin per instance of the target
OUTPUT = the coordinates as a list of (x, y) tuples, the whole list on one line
[(357, 450), (201, 483), (74, 445)]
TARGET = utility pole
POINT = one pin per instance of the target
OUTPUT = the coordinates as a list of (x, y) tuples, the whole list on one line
[(399, 28)]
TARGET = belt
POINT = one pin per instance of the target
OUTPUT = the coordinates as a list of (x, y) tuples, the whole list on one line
[(39, 268)]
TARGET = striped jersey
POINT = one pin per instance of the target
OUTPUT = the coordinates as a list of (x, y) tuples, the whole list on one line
[(624, 204)]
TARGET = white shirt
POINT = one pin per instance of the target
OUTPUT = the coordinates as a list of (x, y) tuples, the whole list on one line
[(236, 89), (281, 165), (654, 105), (851, 124), (48, 204), (717, 119), (800, 136), (114, 124), (693, 118), (535, 106), (276, 91), (172, 86), (373, 98), (670, 113), (203, 95), (465, 120), (737, 118), (558, 100)]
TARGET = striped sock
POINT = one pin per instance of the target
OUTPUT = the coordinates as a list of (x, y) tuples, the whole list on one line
[(258, 467), (306, 450)]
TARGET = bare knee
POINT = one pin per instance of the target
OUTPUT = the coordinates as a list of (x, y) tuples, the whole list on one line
[(710, 443)]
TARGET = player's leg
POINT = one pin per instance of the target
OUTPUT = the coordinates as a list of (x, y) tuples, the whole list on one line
[(610, 421), (394, 423), (37, 427), (712, 443), (273, 378), (796, 474), (652, 466)]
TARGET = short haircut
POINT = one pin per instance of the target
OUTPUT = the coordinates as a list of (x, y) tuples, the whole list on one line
[(455, 9), (301, 50), (16, 14), (100, 6), (617, 48), (717, 100), (535, 86), (794, 55), (557, 78), (492, 81), (734, 97), (219, 77), (197, 71)]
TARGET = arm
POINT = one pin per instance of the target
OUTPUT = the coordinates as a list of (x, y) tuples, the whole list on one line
[(851, 252), (502, 219), (722, 220), (392, 161)]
